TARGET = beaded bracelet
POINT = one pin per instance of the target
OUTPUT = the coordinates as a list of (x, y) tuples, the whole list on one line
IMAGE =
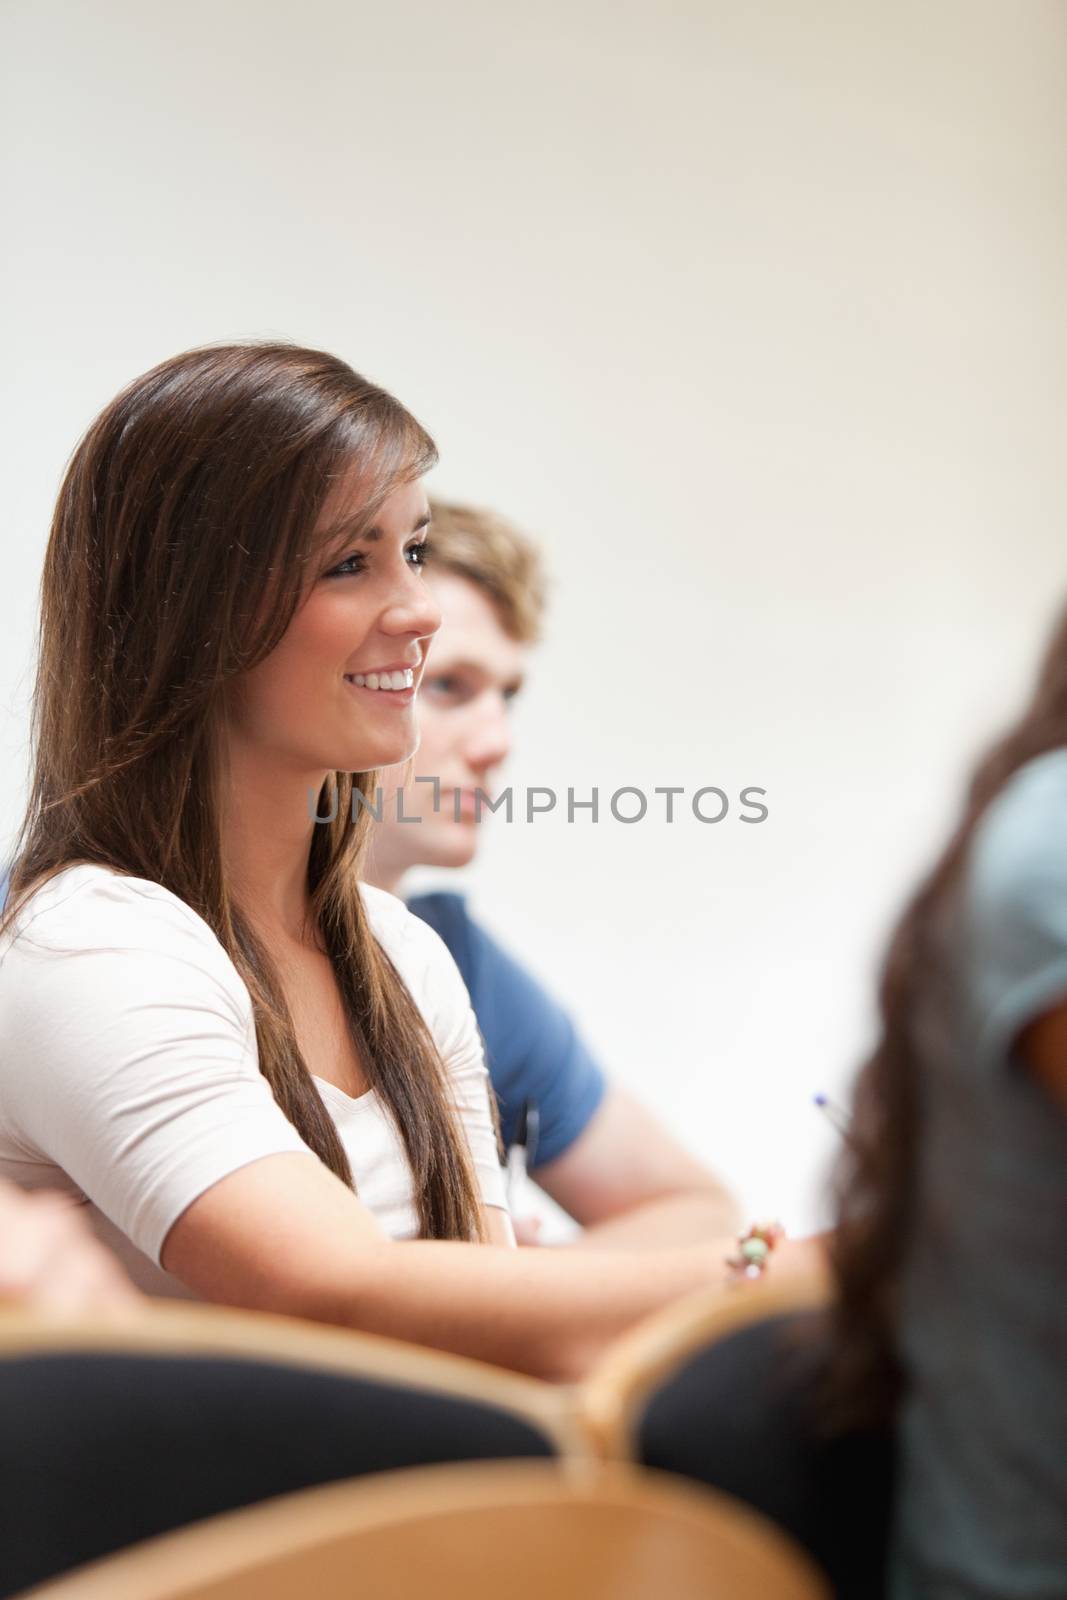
[(754, 1249)]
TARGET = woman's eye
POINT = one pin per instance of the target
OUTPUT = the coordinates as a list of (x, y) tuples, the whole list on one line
[(414, 555), (351, 564)]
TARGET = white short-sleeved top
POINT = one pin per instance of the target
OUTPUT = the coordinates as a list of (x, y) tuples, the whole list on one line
[(129, 1072)]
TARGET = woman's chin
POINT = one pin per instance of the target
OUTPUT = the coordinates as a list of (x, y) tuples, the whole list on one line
[(385, 753)]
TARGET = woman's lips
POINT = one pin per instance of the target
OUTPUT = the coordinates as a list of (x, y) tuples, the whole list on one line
[(384, 678), (387, 697)]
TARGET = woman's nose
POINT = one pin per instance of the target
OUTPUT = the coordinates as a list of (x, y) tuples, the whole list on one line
[(412, 608)]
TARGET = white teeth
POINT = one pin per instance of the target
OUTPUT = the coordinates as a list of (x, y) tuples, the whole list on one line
[(403, 678)]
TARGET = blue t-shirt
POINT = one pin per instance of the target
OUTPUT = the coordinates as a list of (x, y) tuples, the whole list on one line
[(532, 1047), (982, 1509)]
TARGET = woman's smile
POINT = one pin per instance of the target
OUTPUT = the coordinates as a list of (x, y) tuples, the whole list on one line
[(386, 693), (367, 622), (396, 681)]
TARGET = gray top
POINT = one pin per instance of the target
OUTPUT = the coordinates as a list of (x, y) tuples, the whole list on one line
[(983, 1497)]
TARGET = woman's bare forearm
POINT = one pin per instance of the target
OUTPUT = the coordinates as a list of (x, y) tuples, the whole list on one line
[(546, 1313), (284, 1235)]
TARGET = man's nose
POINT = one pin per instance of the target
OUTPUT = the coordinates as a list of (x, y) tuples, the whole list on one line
[(488, 742)]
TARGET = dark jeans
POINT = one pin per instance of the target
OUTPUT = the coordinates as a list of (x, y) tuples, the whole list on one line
[(743, 1417), (99, 1451)]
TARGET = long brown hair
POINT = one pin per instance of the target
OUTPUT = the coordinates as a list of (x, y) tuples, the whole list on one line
[(876, 1175), (180, 550)]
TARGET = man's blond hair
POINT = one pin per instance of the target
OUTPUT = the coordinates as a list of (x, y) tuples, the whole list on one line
[(492, 554)]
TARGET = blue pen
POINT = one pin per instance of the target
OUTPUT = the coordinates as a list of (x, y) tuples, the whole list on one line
[(836, 1115)]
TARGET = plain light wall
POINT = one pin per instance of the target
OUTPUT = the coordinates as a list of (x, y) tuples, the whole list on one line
[(753, 313)]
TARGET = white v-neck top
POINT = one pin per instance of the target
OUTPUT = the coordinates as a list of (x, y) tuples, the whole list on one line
[(129, 1072)]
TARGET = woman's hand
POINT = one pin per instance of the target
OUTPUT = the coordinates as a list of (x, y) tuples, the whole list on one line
[(50, 1260)]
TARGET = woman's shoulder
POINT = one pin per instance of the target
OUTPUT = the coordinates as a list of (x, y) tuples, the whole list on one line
[(402, 935), (1040, 781), (1018, 843), (387, 912), (418, 952), (1013, 944), (90, 907)]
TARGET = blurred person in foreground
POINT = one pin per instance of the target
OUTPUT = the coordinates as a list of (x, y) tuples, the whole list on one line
[(914, 1437), (951, 1245), (601, 1154), (51, 1262)]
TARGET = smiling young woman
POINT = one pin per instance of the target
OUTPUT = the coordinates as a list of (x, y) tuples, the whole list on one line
[(257, 1074)]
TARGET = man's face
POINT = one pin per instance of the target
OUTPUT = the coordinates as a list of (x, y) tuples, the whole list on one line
[(473, 672)]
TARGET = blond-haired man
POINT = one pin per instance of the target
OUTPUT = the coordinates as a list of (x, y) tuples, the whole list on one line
[(601, 1154)]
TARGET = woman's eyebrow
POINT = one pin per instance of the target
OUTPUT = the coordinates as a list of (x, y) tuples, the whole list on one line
[(372, 535)]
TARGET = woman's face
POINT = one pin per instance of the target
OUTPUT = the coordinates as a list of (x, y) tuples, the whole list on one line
[(476, 669), (338, 692)]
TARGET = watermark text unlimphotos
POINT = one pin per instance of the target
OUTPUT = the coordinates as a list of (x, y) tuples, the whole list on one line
[(628, 804)]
